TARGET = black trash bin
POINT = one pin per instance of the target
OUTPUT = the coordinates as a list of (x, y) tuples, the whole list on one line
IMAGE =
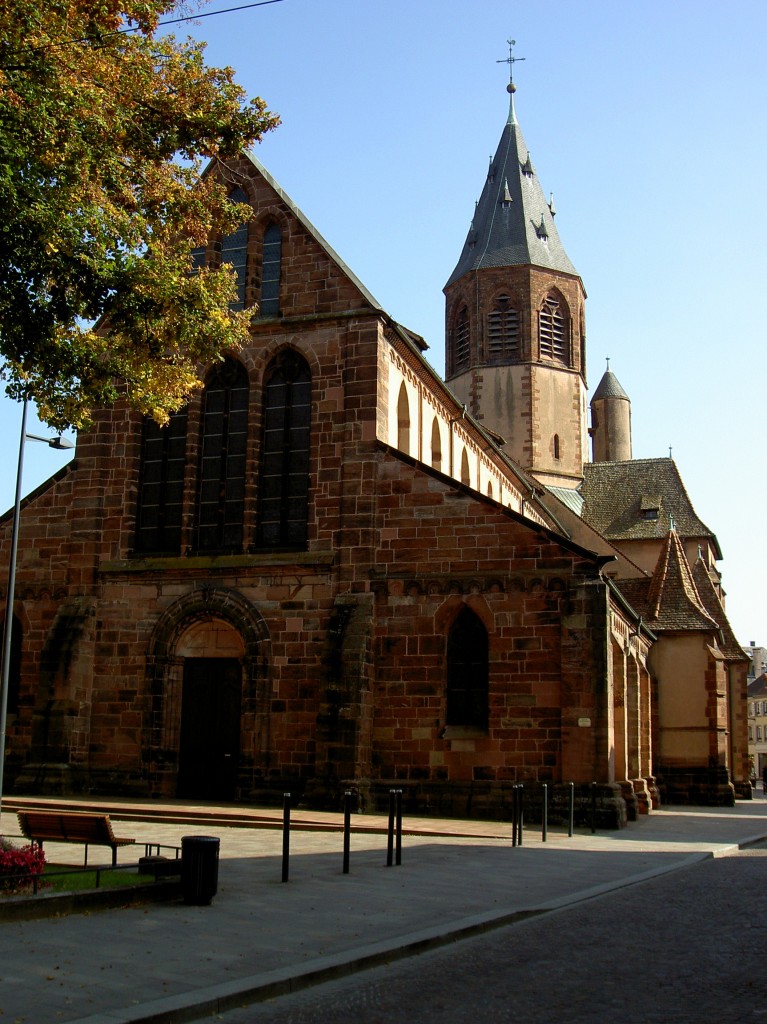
[(199, 869)]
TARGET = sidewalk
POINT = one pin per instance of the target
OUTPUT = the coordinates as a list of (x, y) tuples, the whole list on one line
[(169, 962)]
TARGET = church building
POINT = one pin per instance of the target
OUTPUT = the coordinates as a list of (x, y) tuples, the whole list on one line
[(334, 570)]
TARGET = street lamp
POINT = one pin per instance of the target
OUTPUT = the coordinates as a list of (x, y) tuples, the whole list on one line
[(60, 444)]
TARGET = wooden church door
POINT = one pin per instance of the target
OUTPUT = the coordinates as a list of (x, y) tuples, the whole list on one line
[(209, 744)]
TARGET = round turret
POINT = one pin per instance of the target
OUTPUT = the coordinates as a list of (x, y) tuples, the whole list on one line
[(610, 421)]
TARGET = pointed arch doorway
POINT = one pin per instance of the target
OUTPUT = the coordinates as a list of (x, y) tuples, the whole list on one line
[(211, 711)]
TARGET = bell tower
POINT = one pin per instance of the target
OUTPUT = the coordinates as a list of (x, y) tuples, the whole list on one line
[(514, 320)]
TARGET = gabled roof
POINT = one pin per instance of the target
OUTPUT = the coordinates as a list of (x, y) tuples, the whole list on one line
[(641, 499), (304, 220), (513, 224), (706, 585), (669, 601)]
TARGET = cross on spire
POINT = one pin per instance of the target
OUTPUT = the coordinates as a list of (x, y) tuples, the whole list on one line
[(511, 61)]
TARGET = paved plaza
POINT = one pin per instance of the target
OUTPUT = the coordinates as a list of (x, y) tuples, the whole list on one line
[(169, 962)]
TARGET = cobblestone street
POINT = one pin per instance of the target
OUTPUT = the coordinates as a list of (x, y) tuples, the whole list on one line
[(684, 948)]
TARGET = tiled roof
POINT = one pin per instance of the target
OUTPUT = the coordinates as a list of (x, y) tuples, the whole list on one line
[(669, 602), (513, 224), (706, 585), (619, 497)]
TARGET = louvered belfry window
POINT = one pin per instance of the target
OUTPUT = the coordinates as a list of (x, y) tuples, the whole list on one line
[(221, 485), (161, 485), (461, 341), (234, 250), (283, 493), (553, 330), (502, 331)]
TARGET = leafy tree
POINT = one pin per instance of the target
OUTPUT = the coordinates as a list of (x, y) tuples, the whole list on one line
[(104, 127)]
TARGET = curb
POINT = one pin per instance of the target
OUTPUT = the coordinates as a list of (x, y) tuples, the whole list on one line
[(33, 908)]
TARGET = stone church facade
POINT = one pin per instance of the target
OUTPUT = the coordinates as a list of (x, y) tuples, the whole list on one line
[(333, 570)]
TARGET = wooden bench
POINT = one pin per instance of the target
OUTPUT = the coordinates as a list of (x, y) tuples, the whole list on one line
[(71, 827)]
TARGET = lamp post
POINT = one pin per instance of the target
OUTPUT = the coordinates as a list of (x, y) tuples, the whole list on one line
[(53, 442)]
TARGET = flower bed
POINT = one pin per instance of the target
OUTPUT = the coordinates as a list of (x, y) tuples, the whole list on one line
[(19, 866)]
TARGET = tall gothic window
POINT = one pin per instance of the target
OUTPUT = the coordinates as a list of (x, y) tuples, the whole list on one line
[(270, 272), (221, 483), (467, 672), (436, 444), (553, 328), (502, 331), (234, 250), (461, 341), (283, 498), (161, 485), (403, 420)]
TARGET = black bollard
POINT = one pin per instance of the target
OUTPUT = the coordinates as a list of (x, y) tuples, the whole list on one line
[(521, 816), (545, 814), (571, 816), (285, 836), (347, 828), (398, 858), (593, 807), (390, 837), (514, 811)]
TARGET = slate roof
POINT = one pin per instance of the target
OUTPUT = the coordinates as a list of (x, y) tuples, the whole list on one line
[(620, 497), (758, 687), (513, 224), (669, 601), (609, 387)]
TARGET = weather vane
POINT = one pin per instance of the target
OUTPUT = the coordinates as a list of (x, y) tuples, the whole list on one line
[(511, 60)]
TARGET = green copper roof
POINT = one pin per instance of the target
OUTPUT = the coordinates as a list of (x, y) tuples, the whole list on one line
[(513, 224)]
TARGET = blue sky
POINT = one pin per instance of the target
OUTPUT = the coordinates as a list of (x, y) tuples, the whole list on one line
[(646, 121)]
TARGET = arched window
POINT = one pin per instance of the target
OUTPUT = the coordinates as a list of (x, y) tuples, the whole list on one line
[(436, 444), (270, 272), (502, 331), (465, 474), (221, 484), (461, 341), (489, 488), (555, 447), (161, 485), (467, 672), (403, 420), (234, 250), (283, 492), (553, 329)]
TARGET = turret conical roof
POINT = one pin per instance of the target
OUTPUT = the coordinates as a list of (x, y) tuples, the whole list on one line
[(513, 224)]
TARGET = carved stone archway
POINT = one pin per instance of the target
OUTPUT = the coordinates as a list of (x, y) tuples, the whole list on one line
[(210, 622)]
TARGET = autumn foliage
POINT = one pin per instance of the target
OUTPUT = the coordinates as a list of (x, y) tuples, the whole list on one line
[(105, 125)]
